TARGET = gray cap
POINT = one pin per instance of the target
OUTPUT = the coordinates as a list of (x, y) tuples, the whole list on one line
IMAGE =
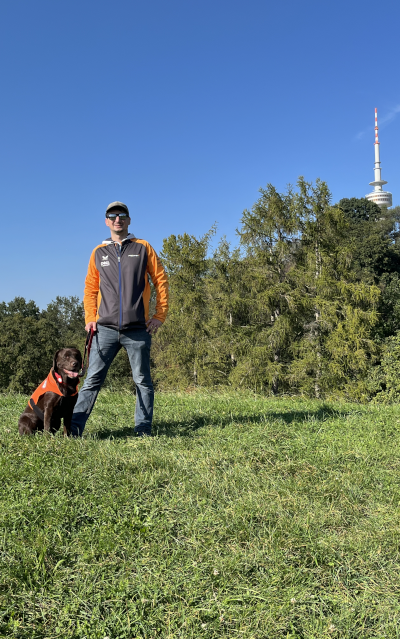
[(117, 205)]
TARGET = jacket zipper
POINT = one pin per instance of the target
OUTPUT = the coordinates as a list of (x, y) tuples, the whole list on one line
[(118, 250)]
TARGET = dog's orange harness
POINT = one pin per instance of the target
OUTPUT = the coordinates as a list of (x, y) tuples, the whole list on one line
[(49, 384)]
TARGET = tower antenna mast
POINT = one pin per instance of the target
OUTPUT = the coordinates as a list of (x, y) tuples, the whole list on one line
[(378, 195)]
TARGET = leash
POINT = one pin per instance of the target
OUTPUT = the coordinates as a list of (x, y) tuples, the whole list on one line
[(36, 410), (88, 346)]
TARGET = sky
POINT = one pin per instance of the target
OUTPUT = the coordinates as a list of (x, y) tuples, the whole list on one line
[(182, 110)]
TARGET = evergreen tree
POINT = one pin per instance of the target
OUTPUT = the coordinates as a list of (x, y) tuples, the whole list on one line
[(384, 379), (181, 347), (270, 236), (336, 347), (226, 314), (373, 236)]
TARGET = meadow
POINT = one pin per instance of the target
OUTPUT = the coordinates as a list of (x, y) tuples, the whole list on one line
[(242, 516)]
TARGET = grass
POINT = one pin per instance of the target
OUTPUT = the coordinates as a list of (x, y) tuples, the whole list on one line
[(242, 517)]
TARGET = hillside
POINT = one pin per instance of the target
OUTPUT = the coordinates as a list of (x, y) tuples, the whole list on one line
[(243, 517)]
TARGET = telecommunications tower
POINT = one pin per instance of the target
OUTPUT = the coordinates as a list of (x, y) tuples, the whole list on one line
[(380, 197)]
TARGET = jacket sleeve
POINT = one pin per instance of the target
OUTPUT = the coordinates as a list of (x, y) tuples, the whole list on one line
[(91, 293), (160, 281)]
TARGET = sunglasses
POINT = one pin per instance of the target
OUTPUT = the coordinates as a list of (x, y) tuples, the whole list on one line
[(113, 216)]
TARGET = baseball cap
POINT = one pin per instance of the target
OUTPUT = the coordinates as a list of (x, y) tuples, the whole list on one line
[(117, 205)]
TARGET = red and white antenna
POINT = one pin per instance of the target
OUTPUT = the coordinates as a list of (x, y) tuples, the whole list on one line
[(376, 127)]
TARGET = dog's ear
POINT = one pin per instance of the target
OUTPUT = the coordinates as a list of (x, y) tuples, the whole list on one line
[(55, 361), (78, 354)]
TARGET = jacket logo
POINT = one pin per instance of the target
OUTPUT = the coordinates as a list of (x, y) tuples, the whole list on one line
[(107, 263), (133, 255), (104, 257)]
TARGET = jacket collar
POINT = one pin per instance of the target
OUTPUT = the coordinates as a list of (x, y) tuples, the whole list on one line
[(130, 236)]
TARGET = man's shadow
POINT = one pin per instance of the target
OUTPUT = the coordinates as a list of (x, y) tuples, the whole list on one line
[(188, 427)]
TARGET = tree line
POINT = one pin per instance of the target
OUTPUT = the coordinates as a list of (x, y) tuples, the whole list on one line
[(308, 302)]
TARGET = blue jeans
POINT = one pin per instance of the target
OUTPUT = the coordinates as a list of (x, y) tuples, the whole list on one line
[(105, 346)]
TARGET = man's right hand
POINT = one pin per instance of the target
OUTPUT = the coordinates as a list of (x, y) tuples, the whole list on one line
[(91, 325)]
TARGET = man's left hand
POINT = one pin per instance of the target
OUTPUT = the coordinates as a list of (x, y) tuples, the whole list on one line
[(153, 325)]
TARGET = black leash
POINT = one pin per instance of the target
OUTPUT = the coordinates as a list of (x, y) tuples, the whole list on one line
[(36, 409), (88, 346)]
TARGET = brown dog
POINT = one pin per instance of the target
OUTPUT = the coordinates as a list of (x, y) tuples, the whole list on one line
[(56, 397)]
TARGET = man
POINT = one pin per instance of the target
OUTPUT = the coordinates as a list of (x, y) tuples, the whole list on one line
[(116, 301)]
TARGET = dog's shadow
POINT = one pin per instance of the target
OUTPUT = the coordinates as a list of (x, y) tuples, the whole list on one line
[(188, 427)]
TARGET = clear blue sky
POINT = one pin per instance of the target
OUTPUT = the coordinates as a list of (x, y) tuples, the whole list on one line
[(183, 110)]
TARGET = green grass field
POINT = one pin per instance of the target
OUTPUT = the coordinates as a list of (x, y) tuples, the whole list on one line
[(242, 517)]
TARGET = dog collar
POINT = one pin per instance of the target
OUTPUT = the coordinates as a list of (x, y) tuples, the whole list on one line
[(58, 378)]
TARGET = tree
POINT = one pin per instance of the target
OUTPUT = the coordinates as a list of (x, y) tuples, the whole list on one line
[(384, 379), (270, 236), (19, 307), (373, 235), (359, 210), (180, 347), (29, 338), (226, 314), (67, 315), (26, 351), (337, 344), (373, 238)]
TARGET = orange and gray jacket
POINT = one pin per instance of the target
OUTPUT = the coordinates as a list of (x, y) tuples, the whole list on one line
[(117, 289)]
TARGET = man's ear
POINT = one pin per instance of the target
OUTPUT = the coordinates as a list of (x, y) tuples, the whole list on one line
[(55, 362)]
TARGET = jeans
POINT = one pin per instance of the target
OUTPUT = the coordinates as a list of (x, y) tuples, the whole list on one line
[(105, 346)]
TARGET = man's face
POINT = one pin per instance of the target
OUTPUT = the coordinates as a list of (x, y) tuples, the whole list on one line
[(119, 223)]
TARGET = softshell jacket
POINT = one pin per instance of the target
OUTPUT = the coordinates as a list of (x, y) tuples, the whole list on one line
[(117, 289), (49, 384)]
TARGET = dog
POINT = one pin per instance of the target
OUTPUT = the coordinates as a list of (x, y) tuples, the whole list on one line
[(56, 396)]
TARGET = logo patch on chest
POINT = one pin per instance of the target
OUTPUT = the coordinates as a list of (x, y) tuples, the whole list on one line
[(107, 263)]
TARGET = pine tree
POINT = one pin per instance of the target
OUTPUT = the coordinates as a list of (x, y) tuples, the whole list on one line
[(336, 347), (181, 346), (226, 313), (270, 236)]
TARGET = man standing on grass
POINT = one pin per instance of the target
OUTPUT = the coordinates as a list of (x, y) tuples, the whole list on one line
[(116, 301)]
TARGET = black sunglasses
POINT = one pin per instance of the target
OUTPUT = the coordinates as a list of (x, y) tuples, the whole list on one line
[(122, 216)]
